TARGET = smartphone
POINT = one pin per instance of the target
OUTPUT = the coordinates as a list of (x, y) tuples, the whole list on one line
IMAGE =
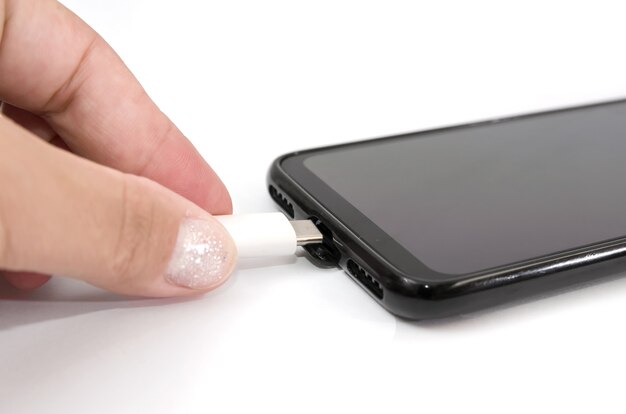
[(453, 220)]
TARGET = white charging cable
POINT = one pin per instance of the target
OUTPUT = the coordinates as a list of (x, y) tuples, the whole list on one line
[(269, 234)]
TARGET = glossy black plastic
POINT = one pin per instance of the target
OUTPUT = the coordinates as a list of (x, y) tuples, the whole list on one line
[(405, 287)]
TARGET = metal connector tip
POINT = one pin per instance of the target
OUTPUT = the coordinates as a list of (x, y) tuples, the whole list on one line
[(306, 232)]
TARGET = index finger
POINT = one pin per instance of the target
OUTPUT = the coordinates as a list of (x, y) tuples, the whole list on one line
[(54, 65)]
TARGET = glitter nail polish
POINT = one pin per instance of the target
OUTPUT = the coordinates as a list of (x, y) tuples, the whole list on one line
[(202, 256)]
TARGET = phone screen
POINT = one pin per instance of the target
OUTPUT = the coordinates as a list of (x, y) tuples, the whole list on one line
[(472, 198)]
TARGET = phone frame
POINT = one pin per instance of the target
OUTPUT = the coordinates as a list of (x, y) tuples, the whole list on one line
[(397, 279)]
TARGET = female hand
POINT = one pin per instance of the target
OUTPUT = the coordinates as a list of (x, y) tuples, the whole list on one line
[(123, 202)]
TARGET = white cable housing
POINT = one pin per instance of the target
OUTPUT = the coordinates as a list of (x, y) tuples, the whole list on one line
[(261, 235)]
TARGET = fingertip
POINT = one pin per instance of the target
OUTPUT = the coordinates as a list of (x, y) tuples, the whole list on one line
[(169, 246), (206, 188), (26, 280), (179, 166), (203, 257), (217, 199)]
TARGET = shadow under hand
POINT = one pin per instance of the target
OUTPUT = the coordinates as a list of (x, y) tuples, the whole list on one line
[(64, 298)]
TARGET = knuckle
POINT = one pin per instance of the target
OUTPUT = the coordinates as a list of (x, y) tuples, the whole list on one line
[(137, 217)]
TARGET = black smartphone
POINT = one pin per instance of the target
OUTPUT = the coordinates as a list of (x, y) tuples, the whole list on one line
[(452, 220)]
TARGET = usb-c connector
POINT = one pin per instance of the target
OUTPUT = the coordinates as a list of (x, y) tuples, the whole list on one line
[(306, 232)]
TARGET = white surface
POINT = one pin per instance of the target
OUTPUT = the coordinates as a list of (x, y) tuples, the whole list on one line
[(261, 234), (249, 80)]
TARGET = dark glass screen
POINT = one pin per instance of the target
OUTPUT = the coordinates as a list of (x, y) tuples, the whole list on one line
[(476, 197)]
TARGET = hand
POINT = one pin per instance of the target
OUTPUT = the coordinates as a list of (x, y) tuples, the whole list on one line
[(122, 204)]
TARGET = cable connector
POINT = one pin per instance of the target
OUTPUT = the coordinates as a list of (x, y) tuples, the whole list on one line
[(306, 232), (269, 234)]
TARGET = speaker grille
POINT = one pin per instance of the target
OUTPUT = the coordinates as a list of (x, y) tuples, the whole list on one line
[(365, 279), (282, 201)]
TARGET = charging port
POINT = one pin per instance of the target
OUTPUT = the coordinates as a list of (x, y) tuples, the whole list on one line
[(365, 279), (323, 254)]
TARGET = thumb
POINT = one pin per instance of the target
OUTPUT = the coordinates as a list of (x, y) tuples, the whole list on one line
[(61, 214)]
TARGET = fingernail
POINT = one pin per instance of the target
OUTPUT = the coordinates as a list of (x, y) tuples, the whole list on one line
[(203, 255)]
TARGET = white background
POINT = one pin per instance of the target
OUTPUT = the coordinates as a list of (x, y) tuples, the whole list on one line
[(249, 80)]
